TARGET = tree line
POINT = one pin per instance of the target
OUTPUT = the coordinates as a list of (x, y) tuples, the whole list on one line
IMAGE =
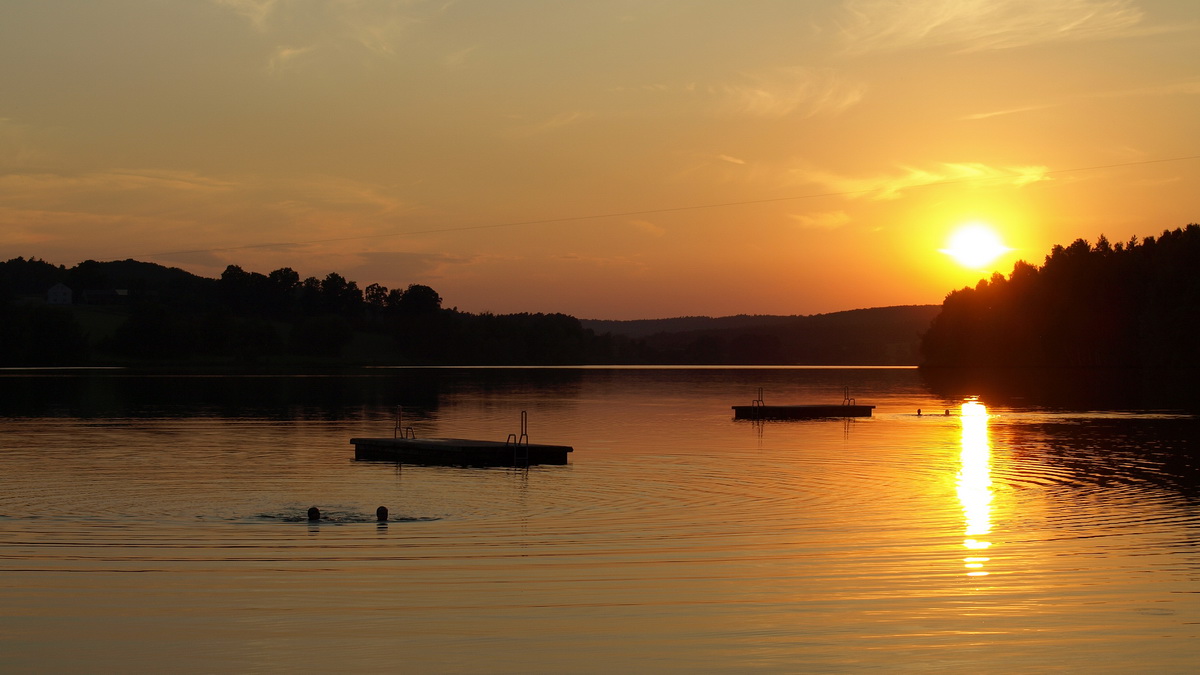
[(169, 315), (875, 336), (1135, 304), (131, 312)]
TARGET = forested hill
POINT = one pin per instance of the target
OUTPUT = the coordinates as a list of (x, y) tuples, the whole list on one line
[(1125, 305), (137, 313), (875, 336), (642, 328)]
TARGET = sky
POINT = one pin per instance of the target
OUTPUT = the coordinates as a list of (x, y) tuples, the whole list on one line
[(609, 159)]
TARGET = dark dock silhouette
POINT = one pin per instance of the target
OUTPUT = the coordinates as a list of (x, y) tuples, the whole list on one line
[(405, 447), (758, 410)]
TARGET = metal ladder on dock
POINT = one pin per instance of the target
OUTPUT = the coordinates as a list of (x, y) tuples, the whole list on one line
[(520, 443), (401, 431), (757, 404)]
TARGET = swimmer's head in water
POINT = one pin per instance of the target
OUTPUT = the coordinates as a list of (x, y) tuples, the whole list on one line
[(314, 513)]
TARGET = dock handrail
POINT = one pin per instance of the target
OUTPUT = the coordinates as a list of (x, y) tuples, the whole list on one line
[(520, 443), (847, 399), (757, 404), (401, 431)]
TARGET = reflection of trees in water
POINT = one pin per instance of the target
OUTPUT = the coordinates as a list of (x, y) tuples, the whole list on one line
[(314, 396), (1072, 388), (273, 397), (1109, 452)]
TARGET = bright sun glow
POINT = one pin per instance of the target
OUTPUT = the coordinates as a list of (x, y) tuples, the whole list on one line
[(975, 245)]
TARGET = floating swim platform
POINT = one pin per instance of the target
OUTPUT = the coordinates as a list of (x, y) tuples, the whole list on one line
[(757, 410), (405, 447), (458, 452), (799, 412)]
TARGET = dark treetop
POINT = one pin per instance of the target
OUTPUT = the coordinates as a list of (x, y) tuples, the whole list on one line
[(1131, 309), (136, 313)]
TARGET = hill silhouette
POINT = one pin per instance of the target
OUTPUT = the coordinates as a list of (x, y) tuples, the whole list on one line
[(137, 313), (1094, 319), (874, 336)]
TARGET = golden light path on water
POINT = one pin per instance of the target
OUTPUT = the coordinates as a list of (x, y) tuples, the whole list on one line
[(975, 485)]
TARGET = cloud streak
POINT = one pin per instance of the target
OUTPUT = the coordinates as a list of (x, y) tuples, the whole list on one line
[(328, 27), (1183, 88), (976, 25), (783, 92), (1009, 111), (112, 210), (830, 220), (17, 147), (894, 186), (255, 11), (550, 124)]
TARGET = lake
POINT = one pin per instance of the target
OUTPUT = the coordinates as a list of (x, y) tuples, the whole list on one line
[(157, 524)]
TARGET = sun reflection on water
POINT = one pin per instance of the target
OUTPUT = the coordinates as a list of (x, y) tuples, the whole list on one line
[(975, 485)]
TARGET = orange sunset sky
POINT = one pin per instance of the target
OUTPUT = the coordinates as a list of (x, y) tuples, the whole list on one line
[(610, 159)]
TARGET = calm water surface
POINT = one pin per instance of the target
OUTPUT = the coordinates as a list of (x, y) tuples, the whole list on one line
[(156, 524)]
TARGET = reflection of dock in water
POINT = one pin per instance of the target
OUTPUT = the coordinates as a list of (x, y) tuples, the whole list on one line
[(757, 410)]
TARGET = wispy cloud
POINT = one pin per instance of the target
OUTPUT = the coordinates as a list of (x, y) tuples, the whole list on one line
[(976, 25), (782, 92), (182, 211), (285, 57), (630, 264), (893, 186), (799, 91), (17, 145), (95, 210), (553, 123), (1184, 88), (1008, 111), (648, 227), (256, 11), (17, 187), (460, 58), (830, 220), (329, 27), (331, 193), (399, 268)]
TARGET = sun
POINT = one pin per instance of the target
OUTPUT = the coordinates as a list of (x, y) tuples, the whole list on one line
[(975, 245)]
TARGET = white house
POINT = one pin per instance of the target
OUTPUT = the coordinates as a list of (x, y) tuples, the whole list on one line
[(59, 294)]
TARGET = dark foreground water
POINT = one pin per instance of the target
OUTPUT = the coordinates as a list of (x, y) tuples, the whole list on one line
[(156, 524)]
